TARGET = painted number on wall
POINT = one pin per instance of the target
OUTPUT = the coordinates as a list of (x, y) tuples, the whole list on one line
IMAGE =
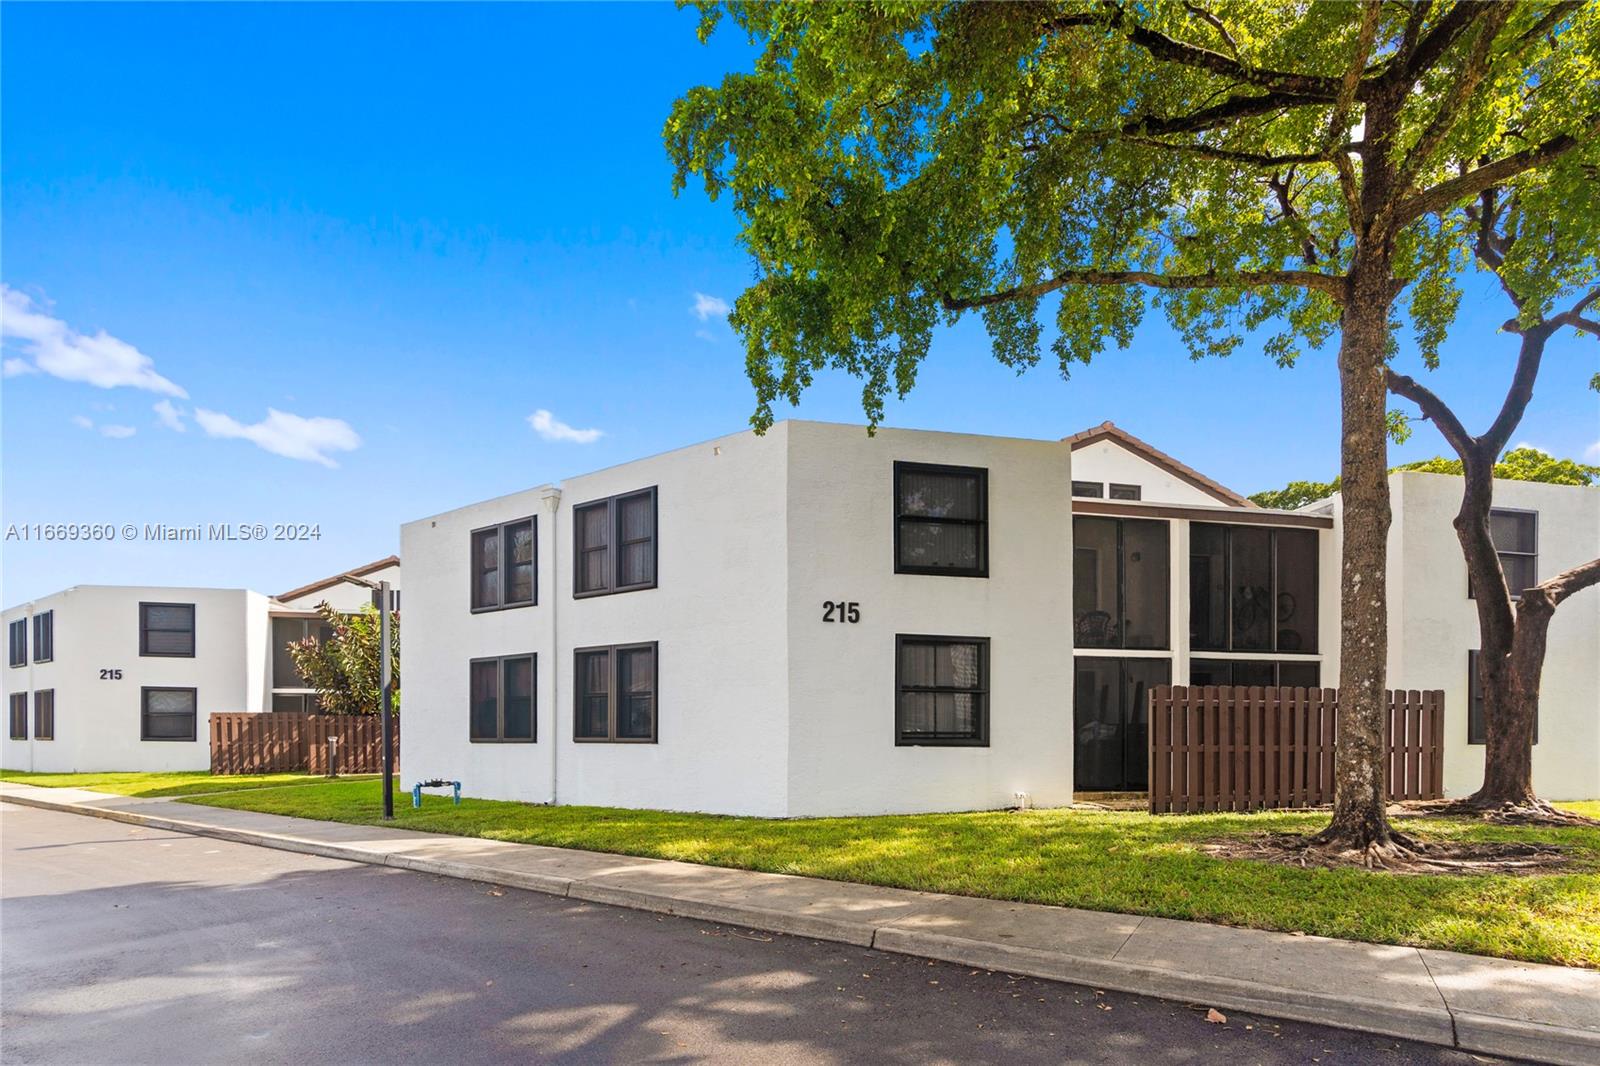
[(111, 675), (841, 611)]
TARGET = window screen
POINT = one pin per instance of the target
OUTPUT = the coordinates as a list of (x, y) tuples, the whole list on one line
[(167, 714), (941, 520), (943, 690), (166, 629)]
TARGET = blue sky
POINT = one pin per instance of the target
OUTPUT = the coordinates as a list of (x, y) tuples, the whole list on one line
[(421, 225)]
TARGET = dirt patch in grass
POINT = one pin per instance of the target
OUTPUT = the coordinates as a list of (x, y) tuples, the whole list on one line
[(1454, 857)]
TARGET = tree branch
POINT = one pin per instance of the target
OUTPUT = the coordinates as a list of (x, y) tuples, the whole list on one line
[(1215, 23), (1230, 156), (1339, 119), (1332, 285), (1208, 118), (1455, 22), (1473, 182), (1460, 89), (1436, 411), (1521, 390), (1547, 595)]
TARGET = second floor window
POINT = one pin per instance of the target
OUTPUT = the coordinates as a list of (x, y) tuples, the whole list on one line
[(166, 629), (1252, 588), (504, 565), (941, 521), (17, 633), (1516, 542), (614, 544), (1120, 589), (44, 636)]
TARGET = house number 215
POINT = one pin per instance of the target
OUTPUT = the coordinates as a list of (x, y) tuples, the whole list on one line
[(841, 611)]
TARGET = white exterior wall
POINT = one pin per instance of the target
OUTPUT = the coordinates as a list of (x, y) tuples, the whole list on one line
[(1433, 624), (842, 696), (96, 627), (1108, 461)]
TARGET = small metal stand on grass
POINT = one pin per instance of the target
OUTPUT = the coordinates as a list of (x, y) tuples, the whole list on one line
[(416, 790)]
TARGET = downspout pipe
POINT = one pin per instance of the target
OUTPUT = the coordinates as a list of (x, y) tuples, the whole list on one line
[(552, 503)]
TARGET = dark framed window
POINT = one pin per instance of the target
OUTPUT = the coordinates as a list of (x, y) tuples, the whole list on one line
[(18, 706), (17, 633), (1111, 720), (44, 714), (44, 636), (167, 713), (1516, 542), (297, 702), (501, 693), (505, 565), (941, 523), (1093, 489), (1121, 583), (1126, 492), (614, 544), (1477, 732), (394, 600), (287, 631), (1252, 588), (616, 694), (941, 691), (166, 629), (1266, 673)]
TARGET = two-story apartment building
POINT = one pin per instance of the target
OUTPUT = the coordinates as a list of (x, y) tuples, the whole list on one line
[(116, 677), (818, 621)]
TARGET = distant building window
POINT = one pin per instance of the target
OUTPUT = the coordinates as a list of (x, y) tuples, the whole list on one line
[(616, 694), (288, 631), (166, 629), (394, 600), (1126, 492), (941, 520), (17, 632), (1095, 489), (502, 700), (941, 691), (297, 703), (1476, 731), (1121, 592), (1516, 542), (44, 636), (504, 566), (1250, 672), (44, 714), (167, 713), (614, 544), (19, 715)]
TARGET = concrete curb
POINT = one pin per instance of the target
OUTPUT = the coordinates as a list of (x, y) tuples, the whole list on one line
[(1496, 1035)]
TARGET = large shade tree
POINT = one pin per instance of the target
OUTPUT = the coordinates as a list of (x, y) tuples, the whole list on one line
[(1292, 168)]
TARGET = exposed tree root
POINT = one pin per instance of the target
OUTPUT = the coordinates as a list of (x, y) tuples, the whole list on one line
[(1402, 856), (1530, 811)]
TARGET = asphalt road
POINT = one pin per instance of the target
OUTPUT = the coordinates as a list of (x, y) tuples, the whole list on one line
[(120, 944)]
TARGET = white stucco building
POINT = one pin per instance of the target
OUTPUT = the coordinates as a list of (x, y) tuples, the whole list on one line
[(118, 677), (818, 621)]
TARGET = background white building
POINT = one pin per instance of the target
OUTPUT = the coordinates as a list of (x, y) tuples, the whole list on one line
[(114, 677)]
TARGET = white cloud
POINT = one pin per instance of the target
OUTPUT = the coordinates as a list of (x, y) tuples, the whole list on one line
[(285, 434), (1530, 444), (1592, 452), (707, 306), (83, 421), (14, 367), (169, 416), (550, 427), (61, 351), (117, 432)]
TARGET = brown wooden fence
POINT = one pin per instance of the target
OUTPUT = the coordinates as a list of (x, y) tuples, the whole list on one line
[(285, 742), (1238, 749)]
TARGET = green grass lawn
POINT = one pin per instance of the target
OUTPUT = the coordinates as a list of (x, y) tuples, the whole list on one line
[(1109, 861), (151, 786)]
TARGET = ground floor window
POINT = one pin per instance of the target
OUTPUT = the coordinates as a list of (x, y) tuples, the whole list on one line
[(616, 694), (1262, 672), (19, 715), (942, 690), (167, 713), (501, 695), (1476, 732), (44, 714), (1111, 716)]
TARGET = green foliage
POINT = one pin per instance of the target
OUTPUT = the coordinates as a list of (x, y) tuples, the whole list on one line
[(1131, 863), (346, 669), (1518, 464), (897, 163)]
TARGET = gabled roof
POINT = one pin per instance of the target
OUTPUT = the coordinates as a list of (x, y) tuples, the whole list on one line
[(328, 582), (1110, 431)]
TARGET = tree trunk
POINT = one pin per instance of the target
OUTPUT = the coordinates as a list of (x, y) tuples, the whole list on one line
[(1360, 822)]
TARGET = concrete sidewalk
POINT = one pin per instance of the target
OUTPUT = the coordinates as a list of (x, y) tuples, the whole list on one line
[(1522, 1010)]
